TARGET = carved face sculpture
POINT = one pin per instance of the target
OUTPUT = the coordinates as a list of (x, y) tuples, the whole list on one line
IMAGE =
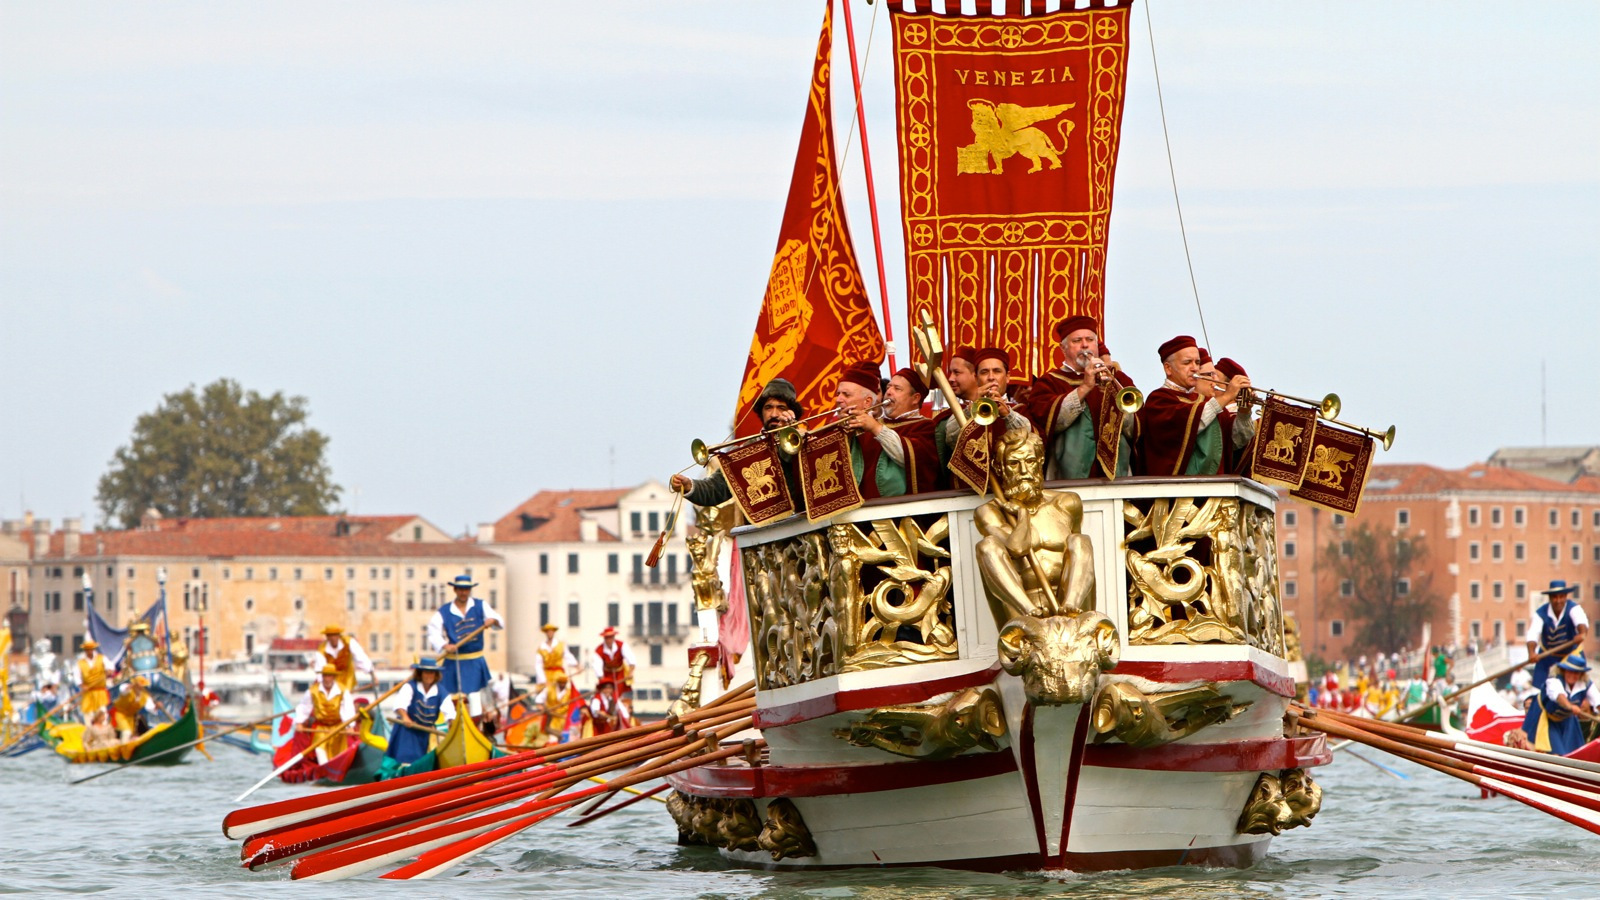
[(1022, 465), (1265, 812), (1059, 658), (1303, 796)]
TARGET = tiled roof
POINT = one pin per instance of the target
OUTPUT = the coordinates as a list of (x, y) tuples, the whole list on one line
[(276, 537), (1412, 479), (552, 516)]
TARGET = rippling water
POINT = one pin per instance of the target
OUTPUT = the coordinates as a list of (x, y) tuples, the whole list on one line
[(142, 831)]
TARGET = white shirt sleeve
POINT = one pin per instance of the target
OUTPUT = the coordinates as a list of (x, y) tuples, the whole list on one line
[(489, 615), (1071, 407), (347, 705), (436, 639), (359, 655), (1209, 412), (1579, 617), (302, 710), (1593, 696), (627, 657), (1244, 428), (892, 447), (447, 709), (1555, 688), (402, 697), (571, 660)]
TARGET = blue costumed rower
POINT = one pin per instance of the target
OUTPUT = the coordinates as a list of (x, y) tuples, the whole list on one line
[(1554, 718), (451, 635), (424, 705), (1557, 621)]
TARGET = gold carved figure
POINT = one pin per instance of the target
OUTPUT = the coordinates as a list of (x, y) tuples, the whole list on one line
[(762, 480), (1327, 465), (1285, 436), (1291, 639), (1303, 796), (712, 524), (1037, 570), (1128, 714), (971, 718), (1001, 130), (730, 824), (785, 834), (826, 473), (689, 696), (1265, 812)]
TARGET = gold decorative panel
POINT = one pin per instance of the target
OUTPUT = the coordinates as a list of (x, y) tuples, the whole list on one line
[(1202, 572), (849, 598)]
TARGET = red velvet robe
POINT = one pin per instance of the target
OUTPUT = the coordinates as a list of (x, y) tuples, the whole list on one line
[(1169, 425), (922, 455), (1044, 404)]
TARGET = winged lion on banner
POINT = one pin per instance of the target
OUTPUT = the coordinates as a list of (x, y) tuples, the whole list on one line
[(1327, 467), (1000, 130), (1284, 438)]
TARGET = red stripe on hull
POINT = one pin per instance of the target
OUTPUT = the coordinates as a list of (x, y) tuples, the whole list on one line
[(1229, 670), (1258, 755), (823, 781), (869, 698)]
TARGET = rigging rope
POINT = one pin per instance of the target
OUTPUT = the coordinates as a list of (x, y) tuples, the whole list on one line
[(1173, 172)]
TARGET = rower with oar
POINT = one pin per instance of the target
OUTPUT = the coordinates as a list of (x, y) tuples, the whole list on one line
[(455, 634), (424, 707), (1555, 717), (324, 710), (1557, 621)]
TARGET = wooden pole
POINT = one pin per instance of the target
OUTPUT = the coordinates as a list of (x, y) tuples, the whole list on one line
[(872, 195), (1440, 702)]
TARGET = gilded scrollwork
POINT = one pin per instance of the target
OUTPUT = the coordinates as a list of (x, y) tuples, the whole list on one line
[(1202, 573), (1286, 799), (972, 718), (735, 824), (851, 598), (712, 524), (1124, 712)]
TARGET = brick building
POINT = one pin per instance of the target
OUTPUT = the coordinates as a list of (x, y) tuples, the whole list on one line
[(255, 579), (1496, 534)]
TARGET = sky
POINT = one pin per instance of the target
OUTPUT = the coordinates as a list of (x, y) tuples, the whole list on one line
[(503, 247)]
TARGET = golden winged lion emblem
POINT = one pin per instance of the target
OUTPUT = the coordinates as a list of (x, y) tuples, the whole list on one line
[(1327, 467), (1284, 437), (1000, 130)]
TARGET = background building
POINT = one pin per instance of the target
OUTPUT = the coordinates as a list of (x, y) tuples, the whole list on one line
[(577, 558), (1496, 533), (254, 579)]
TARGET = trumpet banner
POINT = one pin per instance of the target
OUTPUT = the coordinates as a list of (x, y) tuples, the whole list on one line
[(815, 317), (755, 478), (827, 476), (1008, 133), (971, 458), (1282, 447), (1337, 469)]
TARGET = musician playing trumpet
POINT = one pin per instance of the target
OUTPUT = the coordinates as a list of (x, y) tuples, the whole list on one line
[(777, 406), (1074, 407), (974, 374), (893, 455), (1183, 421)]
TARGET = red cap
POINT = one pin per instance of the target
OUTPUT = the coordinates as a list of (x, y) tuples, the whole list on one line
[(993, 353), (1205, 356), (964, 353), (1227, 368), (1076, 323), (917, 384), (864, 374), (1181, 342)]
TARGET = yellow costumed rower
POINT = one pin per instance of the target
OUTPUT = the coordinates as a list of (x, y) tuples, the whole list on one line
[(323, 709), (92, 693), (129, 708), (345, 653)]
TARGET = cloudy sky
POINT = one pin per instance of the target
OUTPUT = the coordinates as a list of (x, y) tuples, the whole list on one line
[(502, 247)]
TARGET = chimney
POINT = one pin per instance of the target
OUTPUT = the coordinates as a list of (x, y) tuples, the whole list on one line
[(151, 520), (486, 533), (71, 536), (588, 531), (41, 544), (12, 527)]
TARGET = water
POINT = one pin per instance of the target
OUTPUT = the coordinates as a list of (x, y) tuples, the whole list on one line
[(141, 832)]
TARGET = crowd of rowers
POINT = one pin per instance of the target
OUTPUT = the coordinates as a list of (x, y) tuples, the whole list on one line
[(1190, 425)]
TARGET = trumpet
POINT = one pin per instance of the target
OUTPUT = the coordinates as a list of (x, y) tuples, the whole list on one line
[(1328, 407), (791, 436), (701, 451), (1384, 437)]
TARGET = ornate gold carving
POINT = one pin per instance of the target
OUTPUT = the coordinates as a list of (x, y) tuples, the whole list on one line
[(689, 697), (1291, 639), (847, 600), (1202, 574), (1038, 573), (1000, 130), (970, 718), (1286, 800), (712, 524), (1128, 714), (785, 833)]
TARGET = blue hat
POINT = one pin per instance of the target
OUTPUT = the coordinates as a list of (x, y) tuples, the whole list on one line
[(463, 581), (1574, 663), (1557, 586), (426, 664)]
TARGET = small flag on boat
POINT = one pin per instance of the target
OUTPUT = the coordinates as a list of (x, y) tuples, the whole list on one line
[(755, 478), (827, 475), (1283, 443)]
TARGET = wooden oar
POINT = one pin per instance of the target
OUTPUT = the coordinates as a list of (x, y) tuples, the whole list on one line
[(628, 802), (336, 732), (193, 743), (1553, 766), (1441, 701)]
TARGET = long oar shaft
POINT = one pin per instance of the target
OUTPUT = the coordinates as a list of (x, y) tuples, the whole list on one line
[(643, 795), (1440, 702), (336, 732)]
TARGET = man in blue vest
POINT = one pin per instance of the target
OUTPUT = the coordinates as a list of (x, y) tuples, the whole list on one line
[(454, 633), (1556, 622), (424, 705)]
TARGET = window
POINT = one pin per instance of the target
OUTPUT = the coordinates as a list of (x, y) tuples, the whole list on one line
[(1522, 629), (372, 640), (1555, 518), (494, 640), (327, 574), (572, 615), (227, 573), (411, 643), (1555, 552), (491, 574), (1336, 628), (672, 569), (544, 614), (1519, 516), (638, 618), (77, 600), (1597, 553), (350, 572), (55, 644), (572, 563), (111, 571), (1291, 589), (1475, 591), (1520, 551), (350, 600), (1402, 587), (372, 573), (372, 600), (611, 564), (1499, 632), (386, 573), (297, 574), (1521, 590), (433, 573), (272, 573), (411, 599), (544, 564), (1477, 630), (193, 573), (410, 572), (494, 595), (1495, 516), (1338, 519), (1472, 515), (655, 576), (635, 519), (638, 568), (388, 601), (655, 522), (672, 618), (1347, 588), (1346, 548), (655, 649), (1474, 552), (1402, 517), (614, 614), (249, 604), (1288, 549), (1498, 590), (299, 604), (1497, 551), (249, 574), (1577, 553), (416, 532), (1596, 522), (1290, 518), (249, 644)]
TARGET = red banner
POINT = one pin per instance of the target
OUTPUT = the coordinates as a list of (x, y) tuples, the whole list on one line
[(1008, 127), (827, 478), (1337, 470), (1283, 443), (755, 478), (815, 316), (970, 457)]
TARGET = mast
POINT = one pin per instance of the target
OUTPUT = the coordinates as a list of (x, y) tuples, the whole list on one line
[(872, 196)]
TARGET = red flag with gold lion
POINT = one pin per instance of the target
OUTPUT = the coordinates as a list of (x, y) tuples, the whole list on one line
[(815, 316)]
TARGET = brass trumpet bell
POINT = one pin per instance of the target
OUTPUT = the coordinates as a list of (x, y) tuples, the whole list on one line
[(1388, 438), (985, 411), (789, 440), (1130, 400), (700, 452), (1329, 407)]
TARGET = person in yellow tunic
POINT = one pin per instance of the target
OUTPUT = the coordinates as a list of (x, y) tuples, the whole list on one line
[(345, 653), (129, 708), (323, 709), (557, 658), (92, 693)]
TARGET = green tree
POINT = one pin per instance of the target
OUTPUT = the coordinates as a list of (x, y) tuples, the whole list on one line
[(1391, 595), (220, 451)]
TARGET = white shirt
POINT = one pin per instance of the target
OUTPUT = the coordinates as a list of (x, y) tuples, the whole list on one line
[(347, 703), (893, 447), (1573, 611), (600, 705), (447, 710), (358, 655), (1556, 688), (627, 657), (436, 639)]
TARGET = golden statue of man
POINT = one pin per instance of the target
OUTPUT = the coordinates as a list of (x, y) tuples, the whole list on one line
[(1033, 559)]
